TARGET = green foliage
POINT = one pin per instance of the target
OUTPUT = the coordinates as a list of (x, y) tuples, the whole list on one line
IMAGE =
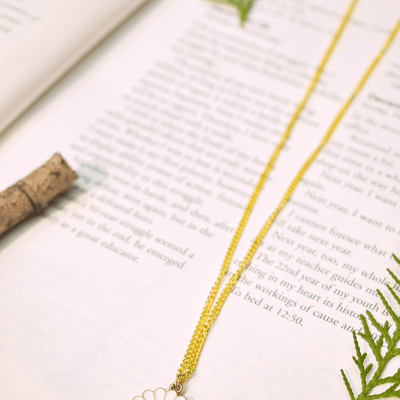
[(243, 7), (381, 356)]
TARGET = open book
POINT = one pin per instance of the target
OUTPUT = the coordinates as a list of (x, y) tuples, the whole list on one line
[(169, 122)]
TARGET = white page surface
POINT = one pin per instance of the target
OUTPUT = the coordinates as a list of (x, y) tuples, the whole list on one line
[(168, 129), (40, 40)]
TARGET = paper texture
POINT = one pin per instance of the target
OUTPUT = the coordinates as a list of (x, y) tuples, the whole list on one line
[(168, 126), (40, 40)]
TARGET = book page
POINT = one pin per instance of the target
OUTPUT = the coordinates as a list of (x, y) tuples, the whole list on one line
[(169, 126), (40, 40), (15, 15)]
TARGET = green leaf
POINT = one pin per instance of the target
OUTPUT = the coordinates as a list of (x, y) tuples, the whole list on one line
[(382, 360), (348, 387), (396, 259), (242, 6)]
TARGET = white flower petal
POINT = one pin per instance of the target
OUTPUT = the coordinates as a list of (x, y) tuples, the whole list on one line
[(170, 395), (148, 395), (159, 394)]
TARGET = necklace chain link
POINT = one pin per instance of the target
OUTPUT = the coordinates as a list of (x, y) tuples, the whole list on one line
[(210, 313)]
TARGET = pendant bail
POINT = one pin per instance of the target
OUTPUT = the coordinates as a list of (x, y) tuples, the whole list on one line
[(177, 386)]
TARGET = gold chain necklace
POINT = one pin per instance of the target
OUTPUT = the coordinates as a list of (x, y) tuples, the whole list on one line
[(212, 308)]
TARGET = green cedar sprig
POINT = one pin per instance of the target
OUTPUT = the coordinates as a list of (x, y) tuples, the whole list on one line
[(382, 358), (243, 7)]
